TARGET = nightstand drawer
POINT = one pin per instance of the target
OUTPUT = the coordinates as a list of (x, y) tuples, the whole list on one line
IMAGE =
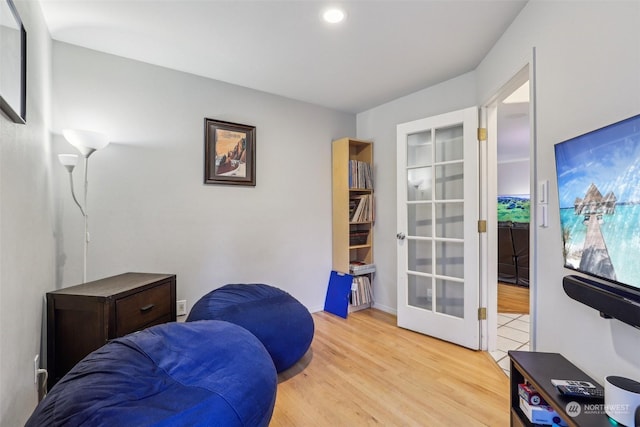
[(143, 309)]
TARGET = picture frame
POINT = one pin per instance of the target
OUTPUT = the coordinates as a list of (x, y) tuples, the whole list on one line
[(13, 63), (229, 153)]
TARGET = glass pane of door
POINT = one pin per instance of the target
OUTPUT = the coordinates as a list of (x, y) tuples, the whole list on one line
[(419, 149), (419, 292), (449, 143), (420, 256), (450, 297), (419, 217), (450, 220), (449, 182), (450, 259), (419, 184)]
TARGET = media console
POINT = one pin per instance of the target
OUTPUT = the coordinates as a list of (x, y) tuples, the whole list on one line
[(539, 369)]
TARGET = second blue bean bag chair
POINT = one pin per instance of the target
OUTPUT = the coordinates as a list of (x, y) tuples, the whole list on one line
[(280, 321)]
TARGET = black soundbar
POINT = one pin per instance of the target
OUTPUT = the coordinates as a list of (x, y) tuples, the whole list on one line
[(610, 300)]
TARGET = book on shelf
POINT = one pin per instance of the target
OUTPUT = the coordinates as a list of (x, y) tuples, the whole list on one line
[(360, 175), (358, 267), (361, 292), (358, 237), (361, 208)]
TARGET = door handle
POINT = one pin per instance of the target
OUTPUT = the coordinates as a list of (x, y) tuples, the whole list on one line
[(400, 236)]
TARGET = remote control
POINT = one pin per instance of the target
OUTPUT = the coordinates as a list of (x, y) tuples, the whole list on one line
[(585, 384), (574, 388), (577, 391)]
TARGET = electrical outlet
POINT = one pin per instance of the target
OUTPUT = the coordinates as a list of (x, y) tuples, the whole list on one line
[(181, 307), (36, 366)]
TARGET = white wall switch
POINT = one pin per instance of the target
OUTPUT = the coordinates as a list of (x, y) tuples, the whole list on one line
[(543, 212), (543, 191)]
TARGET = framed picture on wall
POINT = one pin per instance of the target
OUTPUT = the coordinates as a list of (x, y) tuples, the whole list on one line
[(13, 63), (229, 153)]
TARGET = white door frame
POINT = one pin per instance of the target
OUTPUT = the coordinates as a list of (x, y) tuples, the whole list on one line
[(488, 196)]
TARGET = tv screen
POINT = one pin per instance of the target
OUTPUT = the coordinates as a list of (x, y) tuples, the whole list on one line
[(599, 197), (514, 208)]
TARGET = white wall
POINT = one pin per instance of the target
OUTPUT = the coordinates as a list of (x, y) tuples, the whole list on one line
[(26, 227), (587, 75), (513, 177), (149, 209), (379, 125)]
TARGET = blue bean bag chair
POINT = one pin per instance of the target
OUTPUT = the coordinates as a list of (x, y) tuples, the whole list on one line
[(209, 373), (280, 321)]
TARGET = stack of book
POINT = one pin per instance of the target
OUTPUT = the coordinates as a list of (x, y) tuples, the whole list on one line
[(535, 408), (358, 237), (361, 208), (361, 292), (360, 175)]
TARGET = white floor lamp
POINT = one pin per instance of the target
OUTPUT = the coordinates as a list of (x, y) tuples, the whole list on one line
[(86, 142)]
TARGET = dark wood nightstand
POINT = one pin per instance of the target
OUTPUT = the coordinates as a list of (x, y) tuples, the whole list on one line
[(82, 318)]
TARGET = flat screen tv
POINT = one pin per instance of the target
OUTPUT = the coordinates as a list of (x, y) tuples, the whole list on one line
[(514, 208), (598, 177)]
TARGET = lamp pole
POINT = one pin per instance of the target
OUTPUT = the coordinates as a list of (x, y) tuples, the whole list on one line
[(86, 220), (69, 161), (86, 142)]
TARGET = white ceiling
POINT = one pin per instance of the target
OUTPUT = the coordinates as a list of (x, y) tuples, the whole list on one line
[(384, 49)]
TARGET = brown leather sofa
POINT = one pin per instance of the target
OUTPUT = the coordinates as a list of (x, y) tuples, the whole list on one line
[(513, 252)]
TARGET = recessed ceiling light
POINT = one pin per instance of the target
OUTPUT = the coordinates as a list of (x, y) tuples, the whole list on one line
[(333, 16)]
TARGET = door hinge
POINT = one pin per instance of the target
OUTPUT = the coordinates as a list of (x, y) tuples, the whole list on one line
[(482, 313), (482, 134), (482, 226)]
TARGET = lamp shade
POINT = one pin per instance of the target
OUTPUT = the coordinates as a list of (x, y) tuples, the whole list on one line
[(85, 141), (69, 161)]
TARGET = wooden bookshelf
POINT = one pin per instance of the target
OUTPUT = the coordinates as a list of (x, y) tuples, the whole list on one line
[(352, 194)]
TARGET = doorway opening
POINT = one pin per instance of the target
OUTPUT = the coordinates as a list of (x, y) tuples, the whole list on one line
[(512, 204)]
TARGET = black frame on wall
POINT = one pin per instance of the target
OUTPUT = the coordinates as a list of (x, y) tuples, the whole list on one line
[(13, 64)]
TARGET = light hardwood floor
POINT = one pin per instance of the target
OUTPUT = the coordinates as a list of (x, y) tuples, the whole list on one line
[(364, 370), (513, 299)]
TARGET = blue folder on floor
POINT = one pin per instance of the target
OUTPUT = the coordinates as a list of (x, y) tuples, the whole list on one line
[(337, 300)]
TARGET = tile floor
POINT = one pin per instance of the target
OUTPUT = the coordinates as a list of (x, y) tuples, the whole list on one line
[(513, 334)]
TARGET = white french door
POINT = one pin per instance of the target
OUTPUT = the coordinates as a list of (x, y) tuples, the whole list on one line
[(438, 243)]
